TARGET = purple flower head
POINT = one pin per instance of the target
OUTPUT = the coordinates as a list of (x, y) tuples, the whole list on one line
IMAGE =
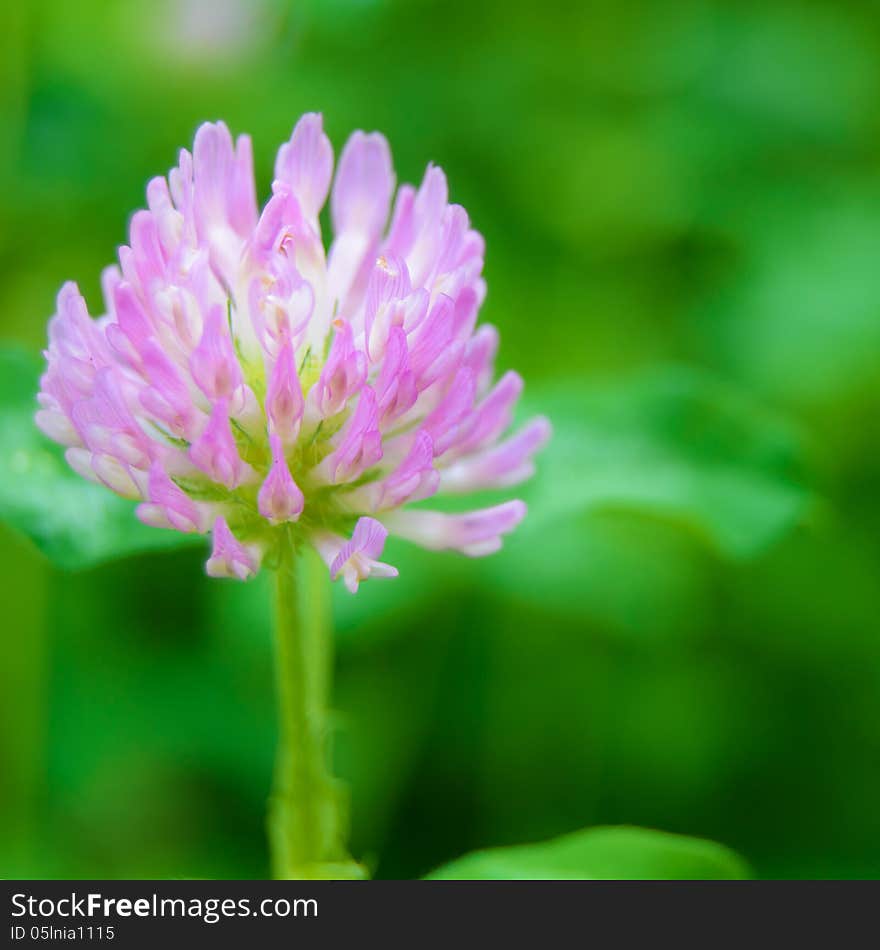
[(246, 382)]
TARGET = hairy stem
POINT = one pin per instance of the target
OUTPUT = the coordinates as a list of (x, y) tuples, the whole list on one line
[(307, 813)]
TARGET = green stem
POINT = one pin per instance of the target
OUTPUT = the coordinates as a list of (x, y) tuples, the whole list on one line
[(307, 814)]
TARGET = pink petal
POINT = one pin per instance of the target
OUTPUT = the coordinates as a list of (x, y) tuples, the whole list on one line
[(167, 397), (229, 557), (279, 498), (115, 475), (106, 424), (432, 350), (360, 446), (215, 451), (357, 559), (243, 195), (415, 478), (223, 180), (343, 374), (306, 164), (213, 363), (358, 209), (168, 506), (425, 232), (363, 187), (502, 465), (133, 326), (474, 533), (480, 355), (148, 259), (281, 311), (284, 399), (57, 426), (492, 416), (444, 422), (401, 232), (224, 199), (389, 282), (396, 390), (73, 335)]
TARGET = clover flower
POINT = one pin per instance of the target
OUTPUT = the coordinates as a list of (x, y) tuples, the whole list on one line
[(245, 382)]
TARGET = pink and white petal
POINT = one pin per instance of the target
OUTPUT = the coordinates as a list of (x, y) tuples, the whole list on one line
[(415, 478), (357, 559), (363, 186), (224, 201), (284, 398), (213, 363), (474, 533), (115, 475), (343, 374), (491, 417), (57, 426), (305, 163), (229, 557), (389, 282), (428, 207), (359, 206), (360, 444), (501, 466), (168, 506), (396, 389), (215, 453), (443, 423), (280, 498), (243, 192), (480, 353)]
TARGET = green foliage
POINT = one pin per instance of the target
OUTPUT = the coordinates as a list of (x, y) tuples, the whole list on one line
[(675, 443), (601, 854), (75, 523)]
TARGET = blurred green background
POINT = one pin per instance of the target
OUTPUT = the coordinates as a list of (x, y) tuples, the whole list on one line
[(681, 203)]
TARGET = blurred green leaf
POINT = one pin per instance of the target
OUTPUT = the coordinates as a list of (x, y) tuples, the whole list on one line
[(598, 854), (674, 443), (75, 523)]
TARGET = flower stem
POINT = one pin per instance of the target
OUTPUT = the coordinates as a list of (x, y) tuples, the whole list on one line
[(307, 813)]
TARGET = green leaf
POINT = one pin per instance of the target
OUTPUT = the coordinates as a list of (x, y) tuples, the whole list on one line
[(674, 443), (599, 854), (74, 522)]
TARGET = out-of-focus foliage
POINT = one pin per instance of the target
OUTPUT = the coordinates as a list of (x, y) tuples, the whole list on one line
[(671, 443), (600, 854), (682, 210)]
